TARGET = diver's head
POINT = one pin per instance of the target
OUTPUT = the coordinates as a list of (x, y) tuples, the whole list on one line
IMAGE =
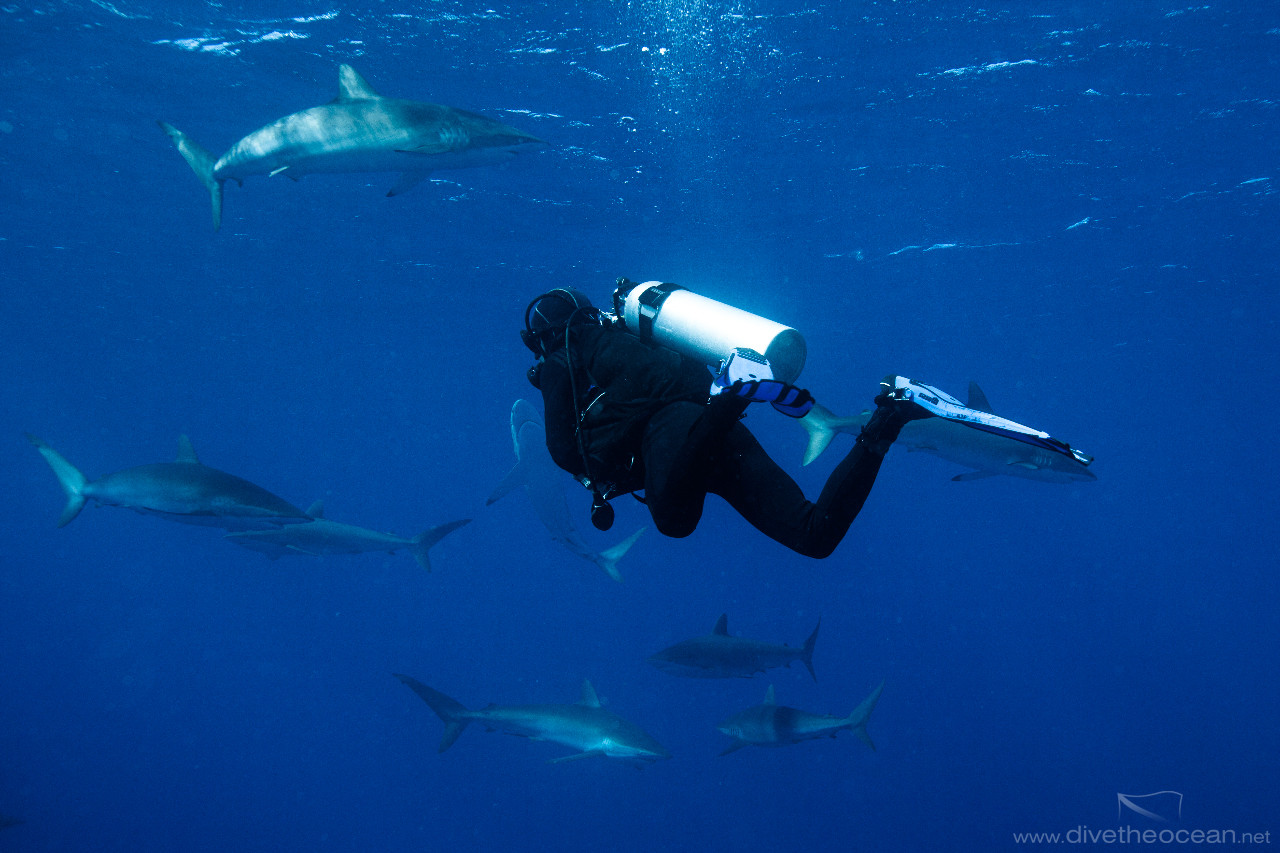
[(547, 317)]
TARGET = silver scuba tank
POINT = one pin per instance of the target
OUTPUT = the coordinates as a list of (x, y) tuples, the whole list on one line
[(705, 329)]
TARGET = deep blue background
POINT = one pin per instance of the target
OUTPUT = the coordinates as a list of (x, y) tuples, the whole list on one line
[(1073, 203)]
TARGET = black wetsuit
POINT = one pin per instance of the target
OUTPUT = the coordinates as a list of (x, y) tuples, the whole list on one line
[(648, 425)]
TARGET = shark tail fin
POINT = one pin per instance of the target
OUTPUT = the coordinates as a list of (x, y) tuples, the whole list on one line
[(451, 712), (202, 163), (69, 477), (807, 656), (858, 719), (609, 557), (422, 543), (822, 425)]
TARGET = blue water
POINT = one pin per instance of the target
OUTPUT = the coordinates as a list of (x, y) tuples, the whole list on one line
[(1075, 204)]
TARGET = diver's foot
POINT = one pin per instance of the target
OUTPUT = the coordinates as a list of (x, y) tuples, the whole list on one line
[(910, 401), (897, 404)]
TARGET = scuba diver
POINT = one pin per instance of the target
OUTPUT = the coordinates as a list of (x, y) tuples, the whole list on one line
[(626, 415), (628, 408)]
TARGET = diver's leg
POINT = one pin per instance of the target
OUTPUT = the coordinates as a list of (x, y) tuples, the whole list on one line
[(680, 447), (761, 492), (771, 501), (847, 488)]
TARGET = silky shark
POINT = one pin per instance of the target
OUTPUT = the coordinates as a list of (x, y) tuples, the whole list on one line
[(359, 131), (989, 454), (586, 727), (183, 490), (718, 655), (771, 724), (321, 536), (544, 482)]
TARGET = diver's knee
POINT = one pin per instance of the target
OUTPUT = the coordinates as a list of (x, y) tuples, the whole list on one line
[(816, 549), (819, 552), (676, 528)]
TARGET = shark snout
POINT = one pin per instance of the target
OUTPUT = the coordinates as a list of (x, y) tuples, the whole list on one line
[(665, 664)]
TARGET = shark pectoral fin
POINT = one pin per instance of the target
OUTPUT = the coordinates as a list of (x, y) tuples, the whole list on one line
[(734, 747), (437, 147), (247, 539), (296, 550), (591, 753), (973, 475), (516, 477), (284, 170), (407, 181)]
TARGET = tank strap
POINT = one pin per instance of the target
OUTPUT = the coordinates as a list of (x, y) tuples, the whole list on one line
[(650, 303)]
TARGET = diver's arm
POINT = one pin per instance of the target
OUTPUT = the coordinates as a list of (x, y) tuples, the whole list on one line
[(560, 415)]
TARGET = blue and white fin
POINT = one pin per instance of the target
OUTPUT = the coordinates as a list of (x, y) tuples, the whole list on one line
[(186, 452), (353, 87)]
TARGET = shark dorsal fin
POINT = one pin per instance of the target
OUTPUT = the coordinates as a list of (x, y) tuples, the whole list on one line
[(353, 87), (768, 696), (978, 400), (186, 453), (722, 626), (316, 510), (589, 697)]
